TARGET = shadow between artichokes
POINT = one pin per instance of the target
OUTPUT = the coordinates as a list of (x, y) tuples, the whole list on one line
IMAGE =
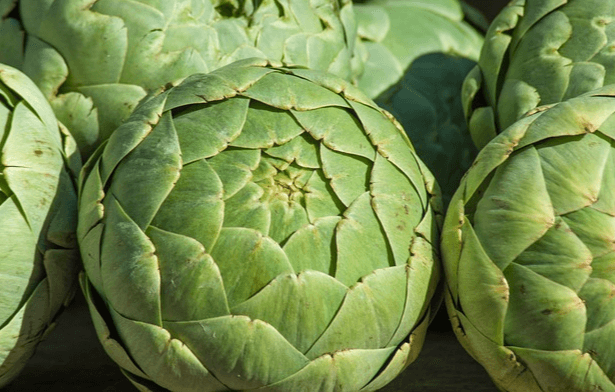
[(427, 103), (416, 56), (527, 249), (11, 36), (394, 33), (39, 260), (259, 228)]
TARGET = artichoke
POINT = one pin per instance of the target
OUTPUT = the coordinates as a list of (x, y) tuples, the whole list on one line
[(394, 33), (538, 52), (527, 248), (39, 260), (259, 227), (427, 102), (95, 60)]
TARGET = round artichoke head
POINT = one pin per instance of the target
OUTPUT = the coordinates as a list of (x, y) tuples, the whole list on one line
[(259, 227), (95, 60), (539, 52), (38, 219), (527, 248)]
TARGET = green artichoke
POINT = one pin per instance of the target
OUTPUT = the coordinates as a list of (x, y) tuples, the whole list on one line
[(259, 227), (95, 60), (39, 260), (527, 248), (394, 33), (539, 52), (427, 102)]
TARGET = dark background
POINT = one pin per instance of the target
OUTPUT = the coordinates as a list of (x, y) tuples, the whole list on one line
[(71, 359), (489, 8)]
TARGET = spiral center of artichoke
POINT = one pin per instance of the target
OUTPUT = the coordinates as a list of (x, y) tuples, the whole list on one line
[(285, 185)]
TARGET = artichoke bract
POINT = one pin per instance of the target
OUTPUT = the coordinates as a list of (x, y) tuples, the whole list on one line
[(538, 52), (527, 248), (394, 33), (427, 103), (39, 260), (259, 227), (95, 60)]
